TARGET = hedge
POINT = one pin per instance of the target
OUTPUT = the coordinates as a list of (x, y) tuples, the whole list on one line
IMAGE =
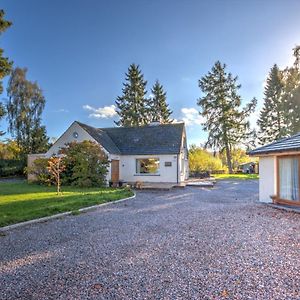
[(11, 167)]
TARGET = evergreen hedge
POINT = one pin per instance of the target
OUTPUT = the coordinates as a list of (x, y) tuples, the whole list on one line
[(11, 167)]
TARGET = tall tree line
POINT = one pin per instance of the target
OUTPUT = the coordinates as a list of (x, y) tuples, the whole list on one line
[(134, 107), (280, 115)]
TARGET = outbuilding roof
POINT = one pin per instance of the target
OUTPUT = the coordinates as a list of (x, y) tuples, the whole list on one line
[(284, 145), (142, 140)]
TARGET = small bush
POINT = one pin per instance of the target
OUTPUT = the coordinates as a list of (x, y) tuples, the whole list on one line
[(40, 171)]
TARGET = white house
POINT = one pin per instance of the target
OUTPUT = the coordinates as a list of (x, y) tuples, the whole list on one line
[(279, 165), (151, 153)]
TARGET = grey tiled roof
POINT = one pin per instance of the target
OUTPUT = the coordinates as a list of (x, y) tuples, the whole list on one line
[(101, 137), (284, 145), (156, 139)]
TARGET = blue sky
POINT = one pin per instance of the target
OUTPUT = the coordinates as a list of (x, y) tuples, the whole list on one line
[(78, 51)]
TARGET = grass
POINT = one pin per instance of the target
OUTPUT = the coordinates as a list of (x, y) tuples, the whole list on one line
[(20, 201), (236, 176)]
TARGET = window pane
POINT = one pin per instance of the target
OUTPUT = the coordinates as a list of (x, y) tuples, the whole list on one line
[(289, 178), (147, 166)]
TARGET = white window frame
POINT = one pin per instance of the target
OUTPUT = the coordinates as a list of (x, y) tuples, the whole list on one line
[(157, 173)]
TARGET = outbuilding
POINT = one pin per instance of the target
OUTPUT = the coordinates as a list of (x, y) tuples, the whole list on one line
[(248, 167), (279, 165)]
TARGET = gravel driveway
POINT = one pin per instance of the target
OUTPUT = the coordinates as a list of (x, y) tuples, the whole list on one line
[(188, 243)]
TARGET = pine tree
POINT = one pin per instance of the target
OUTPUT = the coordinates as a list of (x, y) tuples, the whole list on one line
[(24, 109), (159, 109), (225, 120), (2, 114), (5, 64), (291, 95), (133, 106), (272, 119)]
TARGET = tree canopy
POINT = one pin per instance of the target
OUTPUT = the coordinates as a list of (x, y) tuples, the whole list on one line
[(133, 105), (291, 94), (159, 109), (5, 63), (226, 121), (135, 108), (24, 109), (280, 115), (272, 123)]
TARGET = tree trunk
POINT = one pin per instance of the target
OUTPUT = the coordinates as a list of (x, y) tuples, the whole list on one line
[(58, 177), (228, 158), (58, 184)]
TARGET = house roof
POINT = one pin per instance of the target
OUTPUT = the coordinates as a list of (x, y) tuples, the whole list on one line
[(101, 137), (284, 145), (148, 139)]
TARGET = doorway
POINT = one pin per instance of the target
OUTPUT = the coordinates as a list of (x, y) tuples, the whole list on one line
[(115, 171)]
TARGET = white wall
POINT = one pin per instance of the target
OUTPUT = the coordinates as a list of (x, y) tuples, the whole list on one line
[(68, 137), (166, 174), (183, 166), (267, 178), (183, 163)]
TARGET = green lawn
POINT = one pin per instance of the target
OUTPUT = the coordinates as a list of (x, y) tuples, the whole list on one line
[(22, 202), (236, 176)]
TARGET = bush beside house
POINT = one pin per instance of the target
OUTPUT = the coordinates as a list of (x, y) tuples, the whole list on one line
[(85, 166)]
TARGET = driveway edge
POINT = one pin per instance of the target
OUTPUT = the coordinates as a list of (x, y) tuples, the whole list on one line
[(282, 207), (60, 215)]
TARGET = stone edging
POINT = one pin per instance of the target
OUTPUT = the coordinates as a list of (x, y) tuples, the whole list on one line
[(57, 216)]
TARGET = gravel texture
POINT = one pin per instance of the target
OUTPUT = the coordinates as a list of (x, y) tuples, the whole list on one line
[(191, 243)]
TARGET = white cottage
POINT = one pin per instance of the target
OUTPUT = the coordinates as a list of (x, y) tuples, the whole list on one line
[(151, 153), (279, 166)]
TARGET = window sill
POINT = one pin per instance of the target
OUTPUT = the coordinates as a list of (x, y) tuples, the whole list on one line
[(277, 200)]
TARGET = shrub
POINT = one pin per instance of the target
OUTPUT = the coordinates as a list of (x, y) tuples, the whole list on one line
[(201, 160), (39, 169), (85, 164), (11, 167), (10, 150)]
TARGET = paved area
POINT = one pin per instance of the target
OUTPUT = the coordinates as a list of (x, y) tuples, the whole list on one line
[(191, 243), (12, 179)]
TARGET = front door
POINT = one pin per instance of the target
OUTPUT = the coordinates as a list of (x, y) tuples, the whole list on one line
[(115, 171)]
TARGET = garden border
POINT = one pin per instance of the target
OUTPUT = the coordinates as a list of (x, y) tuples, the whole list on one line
[(60, 215)]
